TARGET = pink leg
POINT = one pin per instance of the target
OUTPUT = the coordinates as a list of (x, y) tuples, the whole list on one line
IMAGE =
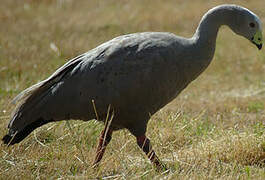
[(144, 143), (104, 140)]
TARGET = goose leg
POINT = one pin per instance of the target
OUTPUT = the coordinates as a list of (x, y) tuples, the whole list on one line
[(144, 143), (104, 140)]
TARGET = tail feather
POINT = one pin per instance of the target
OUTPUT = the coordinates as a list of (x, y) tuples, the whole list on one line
[(6, 139), (18, 137), (29, 98), (26, 116), (55, 77)]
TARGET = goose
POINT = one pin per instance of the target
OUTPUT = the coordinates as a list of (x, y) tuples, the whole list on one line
[(124, 81)]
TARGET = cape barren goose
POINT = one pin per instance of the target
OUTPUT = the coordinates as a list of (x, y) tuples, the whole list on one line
[(137, 74)]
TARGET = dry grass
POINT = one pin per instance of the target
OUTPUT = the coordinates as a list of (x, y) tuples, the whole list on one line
[(213, 130)]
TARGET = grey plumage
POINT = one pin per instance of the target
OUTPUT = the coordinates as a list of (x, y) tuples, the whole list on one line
[(137, 74)]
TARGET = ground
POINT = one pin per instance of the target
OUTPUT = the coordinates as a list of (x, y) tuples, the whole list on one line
[(214, 130)]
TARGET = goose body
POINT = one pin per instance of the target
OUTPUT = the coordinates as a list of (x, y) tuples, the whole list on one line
[(135, 74)]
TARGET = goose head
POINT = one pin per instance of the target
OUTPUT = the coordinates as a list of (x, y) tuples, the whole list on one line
[(248, 25)]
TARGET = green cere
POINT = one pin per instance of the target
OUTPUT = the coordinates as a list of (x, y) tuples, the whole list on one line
[(257, 39)]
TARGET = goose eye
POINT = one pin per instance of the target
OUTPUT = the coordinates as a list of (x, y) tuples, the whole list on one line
[(252, 25)]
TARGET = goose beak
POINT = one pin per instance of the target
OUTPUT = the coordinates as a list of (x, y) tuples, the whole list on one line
[(257, 39)]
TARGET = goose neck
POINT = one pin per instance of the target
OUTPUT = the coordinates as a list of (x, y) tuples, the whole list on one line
[(210, 23)]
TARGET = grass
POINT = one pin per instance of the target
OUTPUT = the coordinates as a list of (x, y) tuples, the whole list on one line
[(213, 130)]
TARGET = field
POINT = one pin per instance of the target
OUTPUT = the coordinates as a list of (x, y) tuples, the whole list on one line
[(215, 129)]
